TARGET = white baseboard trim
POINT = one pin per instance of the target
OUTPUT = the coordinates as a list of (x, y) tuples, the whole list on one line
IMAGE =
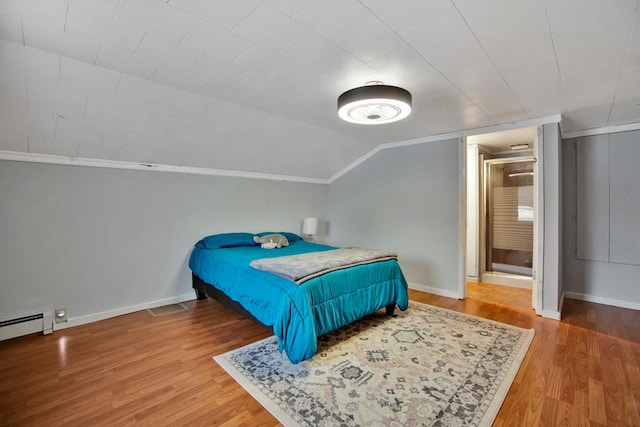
[(435, 291), (95, 317), (550, 314), (506, 279), (602, 300)]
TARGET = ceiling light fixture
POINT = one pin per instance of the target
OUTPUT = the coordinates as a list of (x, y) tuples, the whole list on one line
[(522, 146), (374, 104)]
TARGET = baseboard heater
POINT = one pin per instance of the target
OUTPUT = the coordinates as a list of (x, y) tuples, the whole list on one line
[(25, 325)]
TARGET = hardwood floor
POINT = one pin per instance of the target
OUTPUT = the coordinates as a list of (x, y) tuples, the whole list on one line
[(139, 369), (498, 294)]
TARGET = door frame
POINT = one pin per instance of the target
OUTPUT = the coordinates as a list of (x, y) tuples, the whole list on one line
[(537, 284), (462, 215)]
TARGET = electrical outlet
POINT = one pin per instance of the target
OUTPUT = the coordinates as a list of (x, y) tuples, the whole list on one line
[(60, 315)]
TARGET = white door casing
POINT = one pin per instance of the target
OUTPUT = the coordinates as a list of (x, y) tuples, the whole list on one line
[(538, 222)]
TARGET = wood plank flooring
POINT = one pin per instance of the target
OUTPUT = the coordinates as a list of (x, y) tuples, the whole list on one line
[(499, 294), (139, 369)]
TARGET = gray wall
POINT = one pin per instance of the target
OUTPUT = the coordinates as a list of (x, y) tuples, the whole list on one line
[(94, 240), (405, 200), (601, 210)]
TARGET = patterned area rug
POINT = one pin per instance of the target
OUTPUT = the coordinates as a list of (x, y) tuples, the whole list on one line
[(424, 367)]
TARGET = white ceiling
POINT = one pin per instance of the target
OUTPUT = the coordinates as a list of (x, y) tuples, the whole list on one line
[(251, 85)]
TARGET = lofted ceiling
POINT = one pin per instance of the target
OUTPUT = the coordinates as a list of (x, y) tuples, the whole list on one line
[(251, 85)]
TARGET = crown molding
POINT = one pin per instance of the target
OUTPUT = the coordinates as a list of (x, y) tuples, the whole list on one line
[(451, 135), (114, 164), (601, 131), (555, 118)]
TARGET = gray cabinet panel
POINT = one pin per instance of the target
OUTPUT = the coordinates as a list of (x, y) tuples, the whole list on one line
[(593, 198), (625, 197)]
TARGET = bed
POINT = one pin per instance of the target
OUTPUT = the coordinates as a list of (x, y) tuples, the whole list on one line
[(297, 312)]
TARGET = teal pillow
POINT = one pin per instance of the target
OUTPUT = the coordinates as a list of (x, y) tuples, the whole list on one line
[(226, 240)]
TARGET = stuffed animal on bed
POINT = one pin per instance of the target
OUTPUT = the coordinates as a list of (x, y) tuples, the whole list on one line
[(271, 241)]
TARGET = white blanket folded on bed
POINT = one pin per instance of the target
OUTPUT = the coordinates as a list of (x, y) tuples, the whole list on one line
[(303, 267)]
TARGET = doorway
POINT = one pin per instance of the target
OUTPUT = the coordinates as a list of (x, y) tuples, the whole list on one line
[(501, 217)]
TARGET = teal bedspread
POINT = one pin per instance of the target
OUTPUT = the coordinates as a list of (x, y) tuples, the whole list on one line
[(299, 314)]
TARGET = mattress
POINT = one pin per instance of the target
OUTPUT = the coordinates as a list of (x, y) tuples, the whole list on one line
[(300, 313)]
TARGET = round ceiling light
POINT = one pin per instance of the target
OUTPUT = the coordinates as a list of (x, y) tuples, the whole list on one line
[(374, 104)]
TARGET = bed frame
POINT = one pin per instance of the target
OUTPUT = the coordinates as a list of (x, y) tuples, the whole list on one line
[(204, 290)]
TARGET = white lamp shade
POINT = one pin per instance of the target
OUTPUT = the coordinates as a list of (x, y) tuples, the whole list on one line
[(310, 225)]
